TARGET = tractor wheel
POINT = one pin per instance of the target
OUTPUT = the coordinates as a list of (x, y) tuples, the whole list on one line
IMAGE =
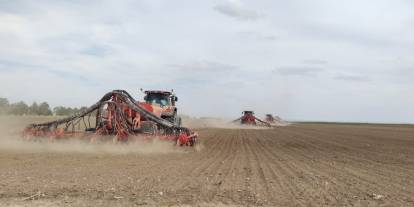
[(148, 127), (177, 121), (193, 142), (170, 119)]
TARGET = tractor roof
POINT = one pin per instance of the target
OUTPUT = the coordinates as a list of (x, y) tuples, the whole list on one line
[(248, 112), (158, 92)]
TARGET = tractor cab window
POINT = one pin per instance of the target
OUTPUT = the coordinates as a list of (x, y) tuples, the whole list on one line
[(160, 99)]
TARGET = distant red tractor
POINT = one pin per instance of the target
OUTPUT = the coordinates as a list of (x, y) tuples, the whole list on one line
[(275, 120), (248, 118), (269, 118)]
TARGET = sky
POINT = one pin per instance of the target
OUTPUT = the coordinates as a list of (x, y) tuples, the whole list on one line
[(320, 60)]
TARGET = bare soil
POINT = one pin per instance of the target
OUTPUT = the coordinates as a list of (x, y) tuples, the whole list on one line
[(296, 165)]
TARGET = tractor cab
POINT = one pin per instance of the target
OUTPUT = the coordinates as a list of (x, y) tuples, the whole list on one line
[(166, 101), (269, 118), (247, 113), (248, 118), (161, 98)]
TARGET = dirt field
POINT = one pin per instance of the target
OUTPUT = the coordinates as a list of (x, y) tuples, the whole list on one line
[(297, 165)]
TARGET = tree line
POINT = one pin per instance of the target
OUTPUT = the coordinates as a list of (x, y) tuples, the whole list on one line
[(43, 109)]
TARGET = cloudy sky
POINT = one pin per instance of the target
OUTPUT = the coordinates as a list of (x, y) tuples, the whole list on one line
[(324, 60)]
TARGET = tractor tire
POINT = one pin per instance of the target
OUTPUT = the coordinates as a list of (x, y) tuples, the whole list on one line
[(177, 121), (170, 119), (148, 127)]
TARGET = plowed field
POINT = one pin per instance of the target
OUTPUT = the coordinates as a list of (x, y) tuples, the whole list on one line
[(297, 165)]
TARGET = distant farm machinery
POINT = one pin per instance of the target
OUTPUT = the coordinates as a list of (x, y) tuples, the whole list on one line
[(119, 117), (269, 118), (275, 120), (248, 118)]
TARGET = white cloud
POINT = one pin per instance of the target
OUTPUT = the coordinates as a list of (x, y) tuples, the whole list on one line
[(315, 62), (352, 77), (302, 59), (299, 71), (236, 9)]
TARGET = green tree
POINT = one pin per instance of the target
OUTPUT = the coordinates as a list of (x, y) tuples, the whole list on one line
[(4, 102), (19, 108), (64, 111), (4, 105), (34, 109), (60, 111), (44, 109), (67, 111)]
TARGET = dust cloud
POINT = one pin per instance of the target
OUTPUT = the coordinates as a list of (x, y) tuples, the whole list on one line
[(11, 139), (208, 122)]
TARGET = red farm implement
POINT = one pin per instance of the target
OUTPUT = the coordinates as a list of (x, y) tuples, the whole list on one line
[(119, 117), (248, 118)]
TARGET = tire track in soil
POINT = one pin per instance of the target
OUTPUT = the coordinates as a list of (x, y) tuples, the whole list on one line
[(359, 170), (254, 171), (227, 167), (197, 175), (216, 172), (362, 138), (303, 184), (282, 175), (254, 181), (193, 177), (286, 166), (267, 176), (370, 184), (197, 160), (313, 175)]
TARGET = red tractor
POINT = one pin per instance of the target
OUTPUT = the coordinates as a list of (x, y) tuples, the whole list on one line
[(166, 101), (269, 118), (248, 118), (119, 115), (275, 120)]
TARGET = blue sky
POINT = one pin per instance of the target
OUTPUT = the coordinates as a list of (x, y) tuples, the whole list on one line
[(303, 60)]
